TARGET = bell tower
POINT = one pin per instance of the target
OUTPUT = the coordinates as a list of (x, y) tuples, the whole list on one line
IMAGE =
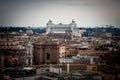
[(29, 53)]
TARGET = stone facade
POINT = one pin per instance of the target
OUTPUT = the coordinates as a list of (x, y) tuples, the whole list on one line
[(46, 54)]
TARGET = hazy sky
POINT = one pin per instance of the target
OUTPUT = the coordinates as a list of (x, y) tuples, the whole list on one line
[(38, 12)]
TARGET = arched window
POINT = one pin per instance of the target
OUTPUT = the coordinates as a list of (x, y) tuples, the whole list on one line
[(48, 56)]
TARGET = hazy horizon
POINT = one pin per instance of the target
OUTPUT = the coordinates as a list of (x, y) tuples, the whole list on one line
[(88, 13)]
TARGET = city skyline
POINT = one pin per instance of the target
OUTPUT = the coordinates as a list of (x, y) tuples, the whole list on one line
[(38, 12)]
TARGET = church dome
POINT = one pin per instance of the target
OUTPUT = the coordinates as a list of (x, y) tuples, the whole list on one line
[(29, 30)]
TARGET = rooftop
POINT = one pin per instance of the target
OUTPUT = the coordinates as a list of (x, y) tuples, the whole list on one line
[(46, 42)]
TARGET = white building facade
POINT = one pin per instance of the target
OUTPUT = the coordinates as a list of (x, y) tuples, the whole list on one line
[(60, 28)]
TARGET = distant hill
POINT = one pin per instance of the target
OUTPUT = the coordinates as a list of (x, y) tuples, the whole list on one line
[(17, 29), (113, 30)]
